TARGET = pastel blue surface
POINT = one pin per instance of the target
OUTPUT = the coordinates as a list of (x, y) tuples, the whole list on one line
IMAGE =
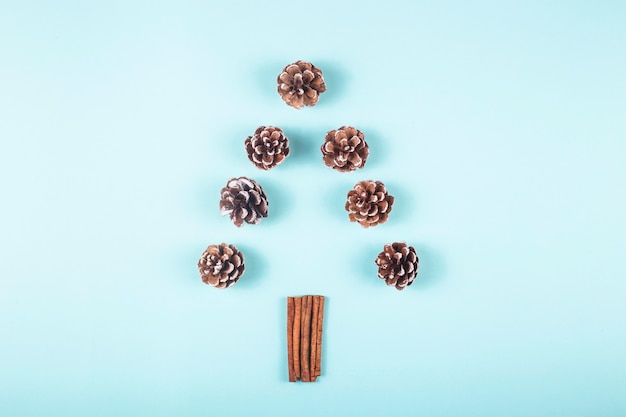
[(499, 127)]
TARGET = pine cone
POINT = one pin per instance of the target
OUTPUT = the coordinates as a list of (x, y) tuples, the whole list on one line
[(300, 84), (245, 200), (268, 147), (221, 265), (398, 265), (345, 149), (369, 203)]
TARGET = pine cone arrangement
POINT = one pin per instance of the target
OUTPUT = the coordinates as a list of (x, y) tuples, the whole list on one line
[(221, 265), (345, 149), (267, 147), (398, 265), (244, 200), (369, 203), (300, 84)]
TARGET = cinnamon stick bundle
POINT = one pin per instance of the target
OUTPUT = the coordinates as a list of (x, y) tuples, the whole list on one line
[(305, 316)]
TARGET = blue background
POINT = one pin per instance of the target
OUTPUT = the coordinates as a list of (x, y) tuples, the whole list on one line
[(498, 126)]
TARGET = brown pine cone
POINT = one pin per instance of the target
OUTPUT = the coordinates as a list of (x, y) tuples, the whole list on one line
[(221, 265), (300, 84), (369, 203), (244, 200), (267, 147), (398, 265), (345, 149)]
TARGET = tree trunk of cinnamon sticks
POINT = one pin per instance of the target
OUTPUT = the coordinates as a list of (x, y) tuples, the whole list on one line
[(305, 317)]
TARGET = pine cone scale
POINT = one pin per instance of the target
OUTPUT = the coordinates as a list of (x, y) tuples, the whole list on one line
[(307, 76), (292, 69), (355, 160), (286, 78)]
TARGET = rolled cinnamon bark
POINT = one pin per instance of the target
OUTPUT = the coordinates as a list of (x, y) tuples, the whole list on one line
[(320, 322), (296, 336), (314, 318), (305, 341), (290, 316)]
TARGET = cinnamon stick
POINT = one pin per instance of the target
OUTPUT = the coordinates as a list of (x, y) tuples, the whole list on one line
[(290, 316), (305, 341), (320, 322), (314, 318), (296, 336)]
